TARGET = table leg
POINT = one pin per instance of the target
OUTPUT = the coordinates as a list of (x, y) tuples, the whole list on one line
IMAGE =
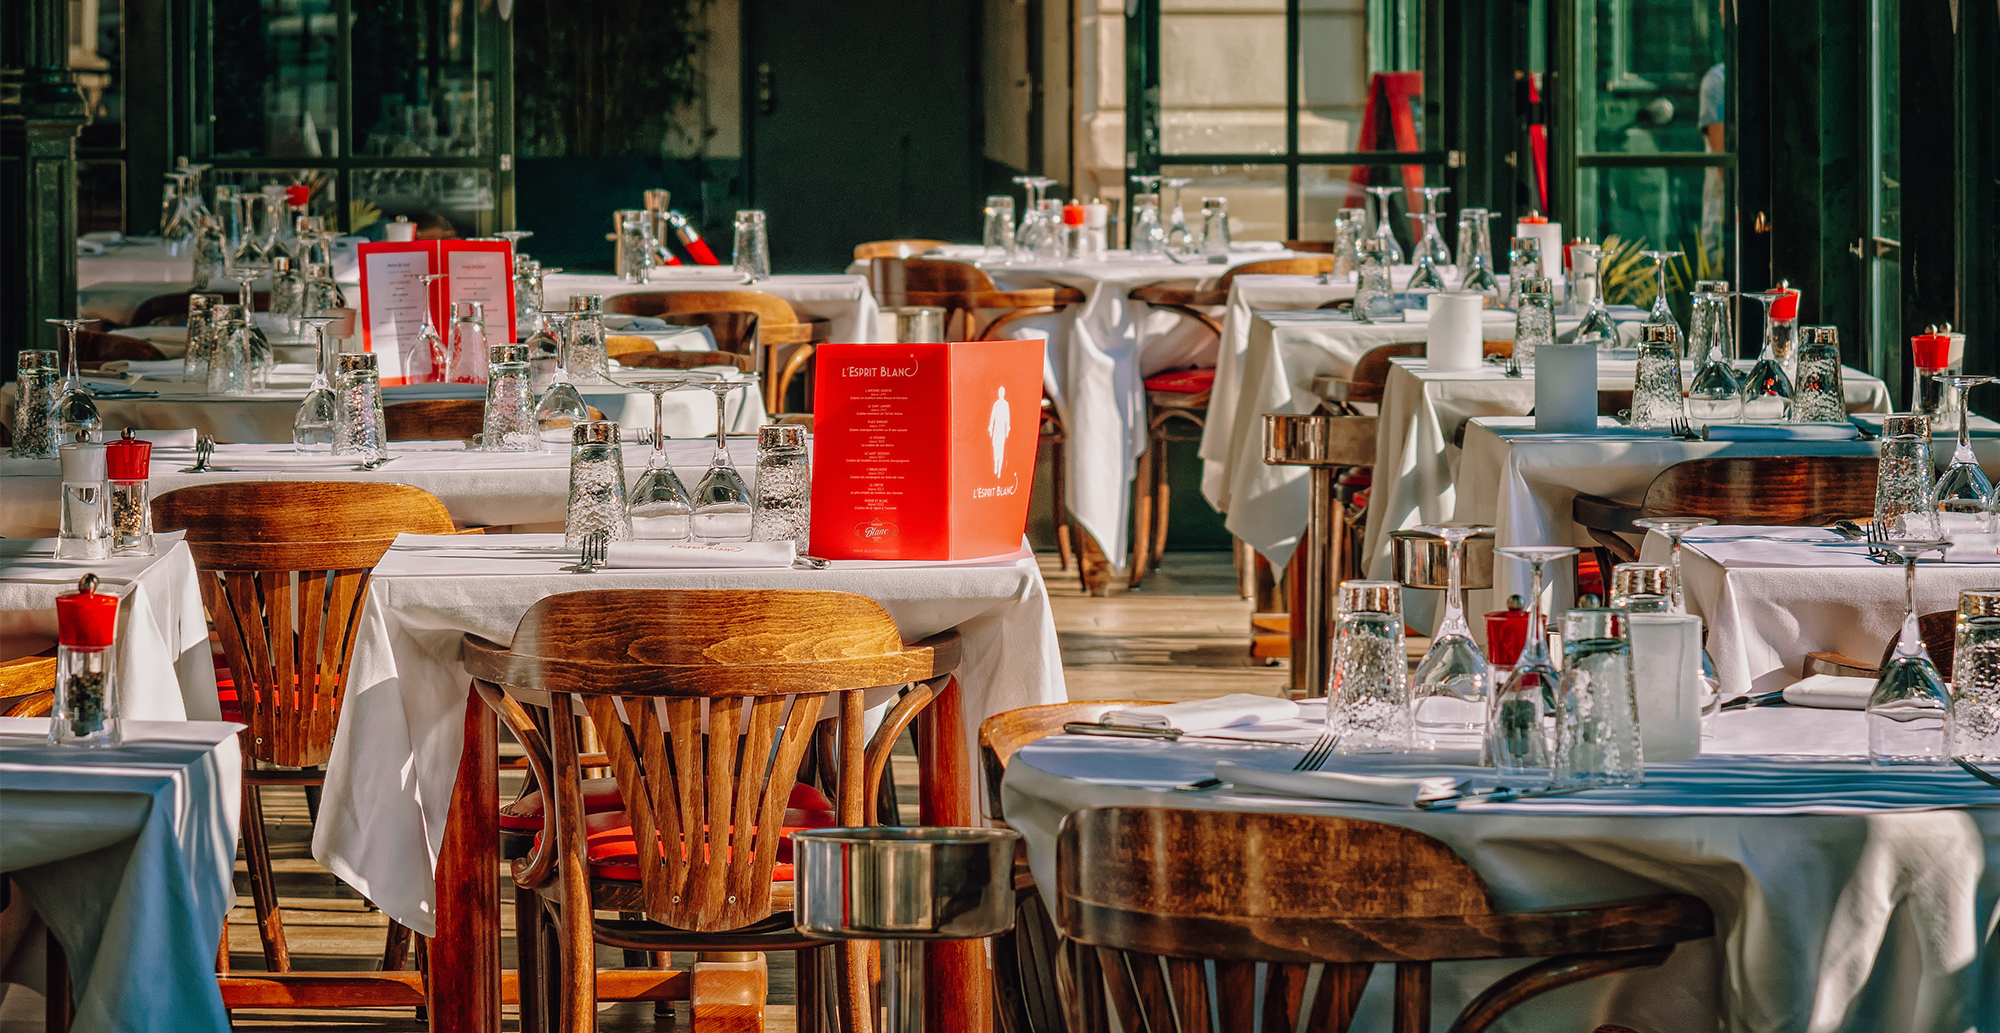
[(465, 954), (958, 985)]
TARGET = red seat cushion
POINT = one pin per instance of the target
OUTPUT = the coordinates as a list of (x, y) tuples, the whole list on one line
[(1183, 381), (225, 690), (609, 829)]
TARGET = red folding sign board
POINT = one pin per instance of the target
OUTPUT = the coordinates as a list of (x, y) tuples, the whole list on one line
[(394, 301), (924, 451)]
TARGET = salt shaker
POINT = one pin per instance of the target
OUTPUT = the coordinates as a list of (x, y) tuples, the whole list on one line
[(37, 386), (784, 487), (87, 711), (358, 427), (598, 502), (509, 424), (84, 532), (129, 462)]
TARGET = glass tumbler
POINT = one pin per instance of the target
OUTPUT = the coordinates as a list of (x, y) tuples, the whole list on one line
[(1372, 294), (1534, 323), (1972, 714), (998, 236), (1818, 396), (784, 487), (1149, 237), (1642, 588), (597, 499), (589, 357), (37, 384), (1905, 502), (1524, 260), (1346, 233), (508, 424), (752, 254), (1597, 707), (358, 426), (231, 359), (194, 361), (1657, 398), (1215, 226), (1368, 701)]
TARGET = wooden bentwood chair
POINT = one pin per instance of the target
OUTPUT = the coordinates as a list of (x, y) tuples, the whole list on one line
[(284, 570), (895, 248), (1288, 891), (705, 703), (783, 339), (1795, 491)]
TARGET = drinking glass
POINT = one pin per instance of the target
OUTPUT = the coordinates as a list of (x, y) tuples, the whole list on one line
[(208, 252), (1049, 244), (322, 291), (287, 289), (1368, 701), (1597, 709), (1179, 239), (1534, 323), (589, 357), (1517, 739), (661, 506), (312, 427), (528, 275), (1346, 234), (37, 385), (1475, 252), (1524, 260), (752, 252), (76, 410), (258, 353), (1450, 689), (722, 502), (1215, 226), (634, 257), (1673, 528), (1657, 400), (1963, 493), (1433, 240), (1905, 503), (467, 351), (999, 234), (1972, 715), (430, 342), (1583, 293), (1906, 712), (231, 360), (1149, 238), (1392, 251), (1662, 313), (1642, 588), (508, 422), (561, 407), (597, 499), (1767, 390), (1715, 394), (1428, 273), (249, 251), (194, 362), (1821, 399), (784, 487), (1372, 293), (358, 427)]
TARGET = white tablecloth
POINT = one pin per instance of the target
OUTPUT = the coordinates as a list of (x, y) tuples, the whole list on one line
[(267, 415), (396, 752), (842, 299), (1770, 595), (1524, 483), (1841, 902), (129, 855), (478, 488), (163, 658)]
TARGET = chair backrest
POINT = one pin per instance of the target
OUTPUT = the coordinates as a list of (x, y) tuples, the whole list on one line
[(1939, 631), (1371, 371), (686, 360), (1002, 735), (1318, 247), (1240, 888), (98, 346), (894, 279), (734, 331), (1791, 490), (435, 419), (173, 307), (770, 309), (1276, 267), (284, 569), (654, 670), (894, 248), (27, 686)]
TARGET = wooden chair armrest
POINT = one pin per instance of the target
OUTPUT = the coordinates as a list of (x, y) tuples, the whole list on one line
[(1598, 513), (875, 760)]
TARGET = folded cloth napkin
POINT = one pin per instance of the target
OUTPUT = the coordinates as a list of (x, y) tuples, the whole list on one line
[(1831, 692), (1204, 714), (668, 555), (1781, 432), (1338, 785), (147, 368), (167, 438), (621, 321)]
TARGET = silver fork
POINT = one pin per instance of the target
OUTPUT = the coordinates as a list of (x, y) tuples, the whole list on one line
[(204, 449), (1679, 427), (1317, 753), (595, 550)]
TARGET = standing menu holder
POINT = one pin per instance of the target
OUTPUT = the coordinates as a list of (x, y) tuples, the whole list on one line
[(393, 299), (924, 451)]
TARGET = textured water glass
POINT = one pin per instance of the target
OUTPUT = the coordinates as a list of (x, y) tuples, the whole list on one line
[(1656, 380), (752, 253), (1597, 706), (597, 499), (1906, 712), (1517, 725), (1368, 702), (784, 487), (1972, 714), (1642, 588), (194, 361), (1050, 244), (661, 507), (1905, 508), (508, 423), (998, 236), (358, 427), (1819, 396), (37, 383), (230, 360), (1524, 262), (1373, 297), (1215, 226), (589, 358), (1346, 234), (1450, 689), (1148, 236)]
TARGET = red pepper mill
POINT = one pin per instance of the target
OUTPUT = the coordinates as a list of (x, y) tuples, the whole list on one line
[(88, 711), (129, 461)]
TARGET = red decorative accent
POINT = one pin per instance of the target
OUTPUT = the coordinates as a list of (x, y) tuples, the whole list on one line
[(1931, 351), (86, 620), (806, 808), (1506, 634), (1389, 123), (129, 459), (1786, 309), (1184, 381), (297, 196), (698, 249), (1072, 215)]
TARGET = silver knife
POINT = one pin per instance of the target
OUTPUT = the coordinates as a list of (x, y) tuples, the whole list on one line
[(1497, 794)]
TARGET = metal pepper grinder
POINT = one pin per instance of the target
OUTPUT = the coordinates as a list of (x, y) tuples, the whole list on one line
[(88, 710)]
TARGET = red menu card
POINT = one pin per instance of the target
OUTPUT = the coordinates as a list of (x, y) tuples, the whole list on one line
[(393, 299), (924, 451)]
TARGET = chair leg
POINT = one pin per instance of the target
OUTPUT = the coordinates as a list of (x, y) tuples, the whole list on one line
[(263, 888), (1413, 997), (853, 990), (728, 994), (59, 1009), (810, 990), (1142, 518), (1059, 508), (1162, 499), (396, 947), (528, 953)]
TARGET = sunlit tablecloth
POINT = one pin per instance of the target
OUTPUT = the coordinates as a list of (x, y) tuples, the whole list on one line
[(128, 854), (1844, 899), (396, 752), (163, 659)]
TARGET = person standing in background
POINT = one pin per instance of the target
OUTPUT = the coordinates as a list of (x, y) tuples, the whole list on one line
[(1709, 119)]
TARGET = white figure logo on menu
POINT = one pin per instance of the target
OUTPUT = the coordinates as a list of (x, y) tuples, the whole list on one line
[(997, 426)]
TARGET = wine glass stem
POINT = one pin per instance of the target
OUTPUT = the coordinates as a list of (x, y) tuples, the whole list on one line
[(721, 428), (659, 427), (1770, 346), (1912, 640), (70, 367), (1454, 606), (1962, 453), (1537, 644)]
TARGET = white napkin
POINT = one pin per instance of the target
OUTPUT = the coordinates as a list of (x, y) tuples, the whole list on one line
[(148, 368), (1201, 715), (167, 438), (1831, 692), (668, 555), (1337, 785), (1781, 432)]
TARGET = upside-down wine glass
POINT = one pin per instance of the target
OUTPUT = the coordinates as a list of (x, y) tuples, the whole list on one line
[(1433, 236), (1672, 528), (560, 407), (1383, 231), (1964, 494), (1715, 394), (1428, 273), (261, 357), (1450, 689), (1475, 252), (1906, 712), (430, 343), (1517, 736), (1662, 312), (722, 501), (1767, 390), (312, 428), (661, 507), (1180, 240), (76, 410)]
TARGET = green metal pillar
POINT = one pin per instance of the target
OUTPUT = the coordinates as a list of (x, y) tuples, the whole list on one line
[(38, 178)]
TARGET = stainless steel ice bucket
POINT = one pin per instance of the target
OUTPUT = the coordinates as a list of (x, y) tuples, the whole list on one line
[(1420, 560), (917, 324), (926, 883)]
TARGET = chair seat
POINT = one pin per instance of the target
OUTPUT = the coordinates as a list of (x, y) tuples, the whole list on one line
[(1183, 381), (613, 852)]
